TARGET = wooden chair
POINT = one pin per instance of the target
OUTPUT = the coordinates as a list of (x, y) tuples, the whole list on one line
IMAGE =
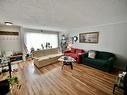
[(125, 85), (121, 82)]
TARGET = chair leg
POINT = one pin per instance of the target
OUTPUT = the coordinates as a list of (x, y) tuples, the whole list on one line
[(115, 85)]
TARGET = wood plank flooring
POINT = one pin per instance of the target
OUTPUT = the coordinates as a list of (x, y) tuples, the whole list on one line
[(52, 80)]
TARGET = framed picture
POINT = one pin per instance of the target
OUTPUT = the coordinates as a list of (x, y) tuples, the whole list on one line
[(90, 37)]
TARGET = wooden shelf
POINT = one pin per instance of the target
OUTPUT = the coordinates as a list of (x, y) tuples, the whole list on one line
[(16, 57), (9, 33)]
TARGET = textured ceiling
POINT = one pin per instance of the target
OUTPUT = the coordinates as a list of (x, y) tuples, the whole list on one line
[(62, 14)]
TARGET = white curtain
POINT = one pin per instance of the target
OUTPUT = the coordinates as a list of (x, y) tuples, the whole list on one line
[(36, 39)]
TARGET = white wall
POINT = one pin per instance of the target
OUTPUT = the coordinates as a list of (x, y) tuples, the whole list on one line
[(10, 42), (112, 38)]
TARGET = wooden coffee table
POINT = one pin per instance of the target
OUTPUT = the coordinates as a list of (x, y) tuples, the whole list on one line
[(67, 60)]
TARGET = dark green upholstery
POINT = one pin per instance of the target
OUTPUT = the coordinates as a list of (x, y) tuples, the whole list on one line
[(103, 60)]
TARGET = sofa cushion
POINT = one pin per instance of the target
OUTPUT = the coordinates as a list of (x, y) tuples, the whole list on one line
[(68, 54), (79, 51), (49, 56), (97, 62), (103, 55), (43, 58), (72, 55)]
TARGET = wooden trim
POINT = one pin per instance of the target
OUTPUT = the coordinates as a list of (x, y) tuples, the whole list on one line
[(9, 33)]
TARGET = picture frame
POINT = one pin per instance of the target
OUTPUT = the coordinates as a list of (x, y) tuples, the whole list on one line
[(89, 37)]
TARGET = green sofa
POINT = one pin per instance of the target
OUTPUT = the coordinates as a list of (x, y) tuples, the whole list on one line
[(103, 60)]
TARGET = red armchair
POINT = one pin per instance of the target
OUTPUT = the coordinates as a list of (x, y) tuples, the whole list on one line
[(75, 53)]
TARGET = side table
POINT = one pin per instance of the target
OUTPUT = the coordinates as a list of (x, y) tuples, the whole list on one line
[(67, 60), (15, 58), (121, 82)]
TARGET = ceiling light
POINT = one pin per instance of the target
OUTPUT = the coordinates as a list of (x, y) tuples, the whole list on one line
[(8, 23)]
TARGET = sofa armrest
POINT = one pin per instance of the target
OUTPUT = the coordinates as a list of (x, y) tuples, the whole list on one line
[(109, 64), (84, 55), (111, 59), (80, 54)]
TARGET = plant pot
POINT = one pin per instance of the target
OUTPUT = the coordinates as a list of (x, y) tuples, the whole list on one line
[(4, 87)]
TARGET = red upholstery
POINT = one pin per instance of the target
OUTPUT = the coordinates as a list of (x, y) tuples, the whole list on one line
[(74, 52)]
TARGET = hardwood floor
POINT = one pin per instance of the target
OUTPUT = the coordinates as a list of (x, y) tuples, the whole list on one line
[(52, 80)]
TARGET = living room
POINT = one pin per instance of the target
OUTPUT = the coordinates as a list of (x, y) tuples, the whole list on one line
[(37, 37)]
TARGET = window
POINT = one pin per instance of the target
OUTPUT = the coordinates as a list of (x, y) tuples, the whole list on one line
[(35, 40)]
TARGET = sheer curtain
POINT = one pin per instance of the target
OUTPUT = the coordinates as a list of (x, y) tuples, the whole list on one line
[(36, 39)]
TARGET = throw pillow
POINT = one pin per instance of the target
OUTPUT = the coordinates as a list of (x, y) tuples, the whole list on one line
[(91, 54)]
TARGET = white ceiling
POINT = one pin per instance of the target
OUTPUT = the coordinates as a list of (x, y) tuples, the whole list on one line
[(62, 14)]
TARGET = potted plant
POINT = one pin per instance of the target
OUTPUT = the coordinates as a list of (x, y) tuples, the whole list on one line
[(13, 81)]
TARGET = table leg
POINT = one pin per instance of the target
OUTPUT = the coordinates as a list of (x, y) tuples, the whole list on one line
[(67, 63), (62, 65), (71, 65)]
